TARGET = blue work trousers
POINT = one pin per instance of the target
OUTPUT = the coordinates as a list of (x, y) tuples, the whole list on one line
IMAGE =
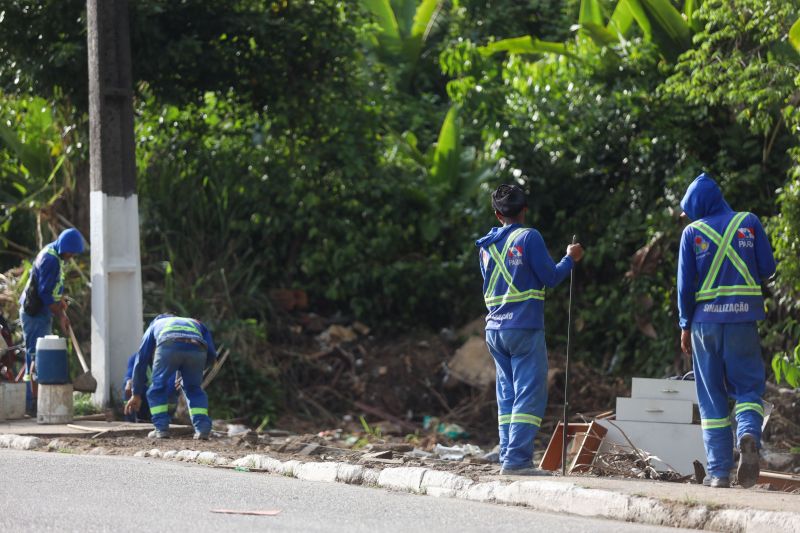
[(520, 356), (727, 364), (190, 360), (34, 327)]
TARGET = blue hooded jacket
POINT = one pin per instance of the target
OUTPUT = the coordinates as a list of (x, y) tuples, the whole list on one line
[(47, 267), (704, 202), (163, 328), (530, 266)]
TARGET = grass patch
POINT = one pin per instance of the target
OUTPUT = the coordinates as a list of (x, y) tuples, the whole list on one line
[(82, 404)]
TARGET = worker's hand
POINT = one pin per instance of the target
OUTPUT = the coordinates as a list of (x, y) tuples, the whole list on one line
[(133, 405), (128, 389), (575, 251), (686, 342)]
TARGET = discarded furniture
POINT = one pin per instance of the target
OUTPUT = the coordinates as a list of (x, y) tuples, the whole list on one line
[(583, 442), (657, 419)]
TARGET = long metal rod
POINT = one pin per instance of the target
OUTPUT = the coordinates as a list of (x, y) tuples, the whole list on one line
[(566, 371)]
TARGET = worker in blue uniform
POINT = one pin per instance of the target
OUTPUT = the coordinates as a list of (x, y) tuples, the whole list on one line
[(172, 343), (516, 268), (143, 413), (724, 257), (43, 297)]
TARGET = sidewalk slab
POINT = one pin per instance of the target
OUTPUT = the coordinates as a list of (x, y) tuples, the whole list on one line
[(79, 428)]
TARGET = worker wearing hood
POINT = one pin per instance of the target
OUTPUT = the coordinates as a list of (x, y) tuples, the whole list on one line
[(43, 296), (516, 268), (724, 257)]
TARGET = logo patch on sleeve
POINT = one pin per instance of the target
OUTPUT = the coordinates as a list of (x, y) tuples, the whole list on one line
[(700, 245), (745, 233)]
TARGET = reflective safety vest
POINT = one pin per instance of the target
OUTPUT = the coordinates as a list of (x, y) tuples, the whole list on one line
[(59, 288), (512, 294), (709, 290), (172, 327)]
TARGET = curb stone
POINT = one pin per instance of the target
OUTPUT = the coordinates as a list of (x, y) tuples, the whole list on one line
[(550, 496), (18, 442)]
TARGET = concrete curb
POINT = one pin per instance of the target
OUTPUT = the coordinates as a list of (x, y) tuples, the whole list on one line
[(542, 495)]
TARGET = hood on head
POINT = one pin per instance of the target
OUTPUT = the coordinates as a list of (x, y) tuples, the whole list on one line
[(704, 198), (70, 241)]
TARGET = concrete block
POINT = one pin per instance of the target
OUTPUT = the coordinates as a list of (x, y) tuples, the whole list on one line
[(248, 461), (270, 464), (481, 492), (155, 452), (170, 454), (141, 453), (289, 468), (207, 458), (444, 480), (325, 472), (370, 477), (438, 492), (222, 461), (187, 455), (6, 440), (350, 474), (402, 478), (26, 443)]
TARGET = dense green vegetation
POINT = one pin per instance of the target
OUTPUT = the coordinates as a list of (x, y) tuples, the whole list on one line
[(348, 148)]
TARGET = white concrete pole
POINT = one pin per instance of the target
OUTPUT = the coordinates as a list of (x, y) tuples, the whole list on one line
[(114, 209)]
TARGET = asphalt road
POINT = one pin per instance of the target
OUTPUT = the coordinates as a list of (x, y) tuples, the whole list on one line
[(62, 492)]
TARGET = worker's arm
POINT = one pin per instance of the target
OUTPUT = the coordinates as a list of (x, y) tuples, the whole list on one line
[(687, 286), (550, 273), (211, 351), (144, 359), (765, 260)]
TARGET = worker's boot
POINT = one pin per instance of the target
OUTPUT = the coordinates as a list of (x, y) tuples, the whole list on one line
[(200, 436), (158, 434), (716, 482), (747, 473)]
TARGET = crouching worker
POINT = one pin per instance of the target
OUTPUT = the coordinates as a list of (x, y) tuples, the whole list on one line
[(170, 344), (143, 413)]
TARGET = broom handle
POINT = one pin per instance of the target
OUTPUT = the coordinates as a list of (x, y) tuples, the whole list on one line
[(566, 374), (77, 349)]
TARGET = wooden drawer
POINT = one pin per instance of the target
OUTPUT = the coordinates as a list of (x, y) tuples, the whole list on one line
[(664, 389), (651, 410)]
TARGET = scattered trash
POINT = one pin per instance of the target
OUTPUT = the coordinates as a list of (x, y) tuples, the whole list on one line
[(451, 431), (336, 334), (456, 453), (492, 456), (241, 469), (416, 453), (237, 429), (256, 513)]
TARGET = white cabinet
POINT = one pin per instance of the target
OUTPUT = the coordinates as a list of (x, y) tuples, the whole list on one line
[(649, 410)]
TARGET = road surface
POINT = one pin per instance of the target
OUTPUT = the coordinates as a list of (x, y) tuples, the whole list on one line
[(65, 492)]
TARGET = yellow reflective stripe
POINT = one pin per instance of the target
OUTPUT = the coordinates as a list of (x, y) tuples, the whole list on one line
[(749, 406), (26, 377), (198, 411), (158, 409), (532, 294), (191, 328), (737, 261), (724, 250), (500, 264), (728, 290), (522, 418), (501, 267), (714, 423), (504, 419), (58, 289)]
